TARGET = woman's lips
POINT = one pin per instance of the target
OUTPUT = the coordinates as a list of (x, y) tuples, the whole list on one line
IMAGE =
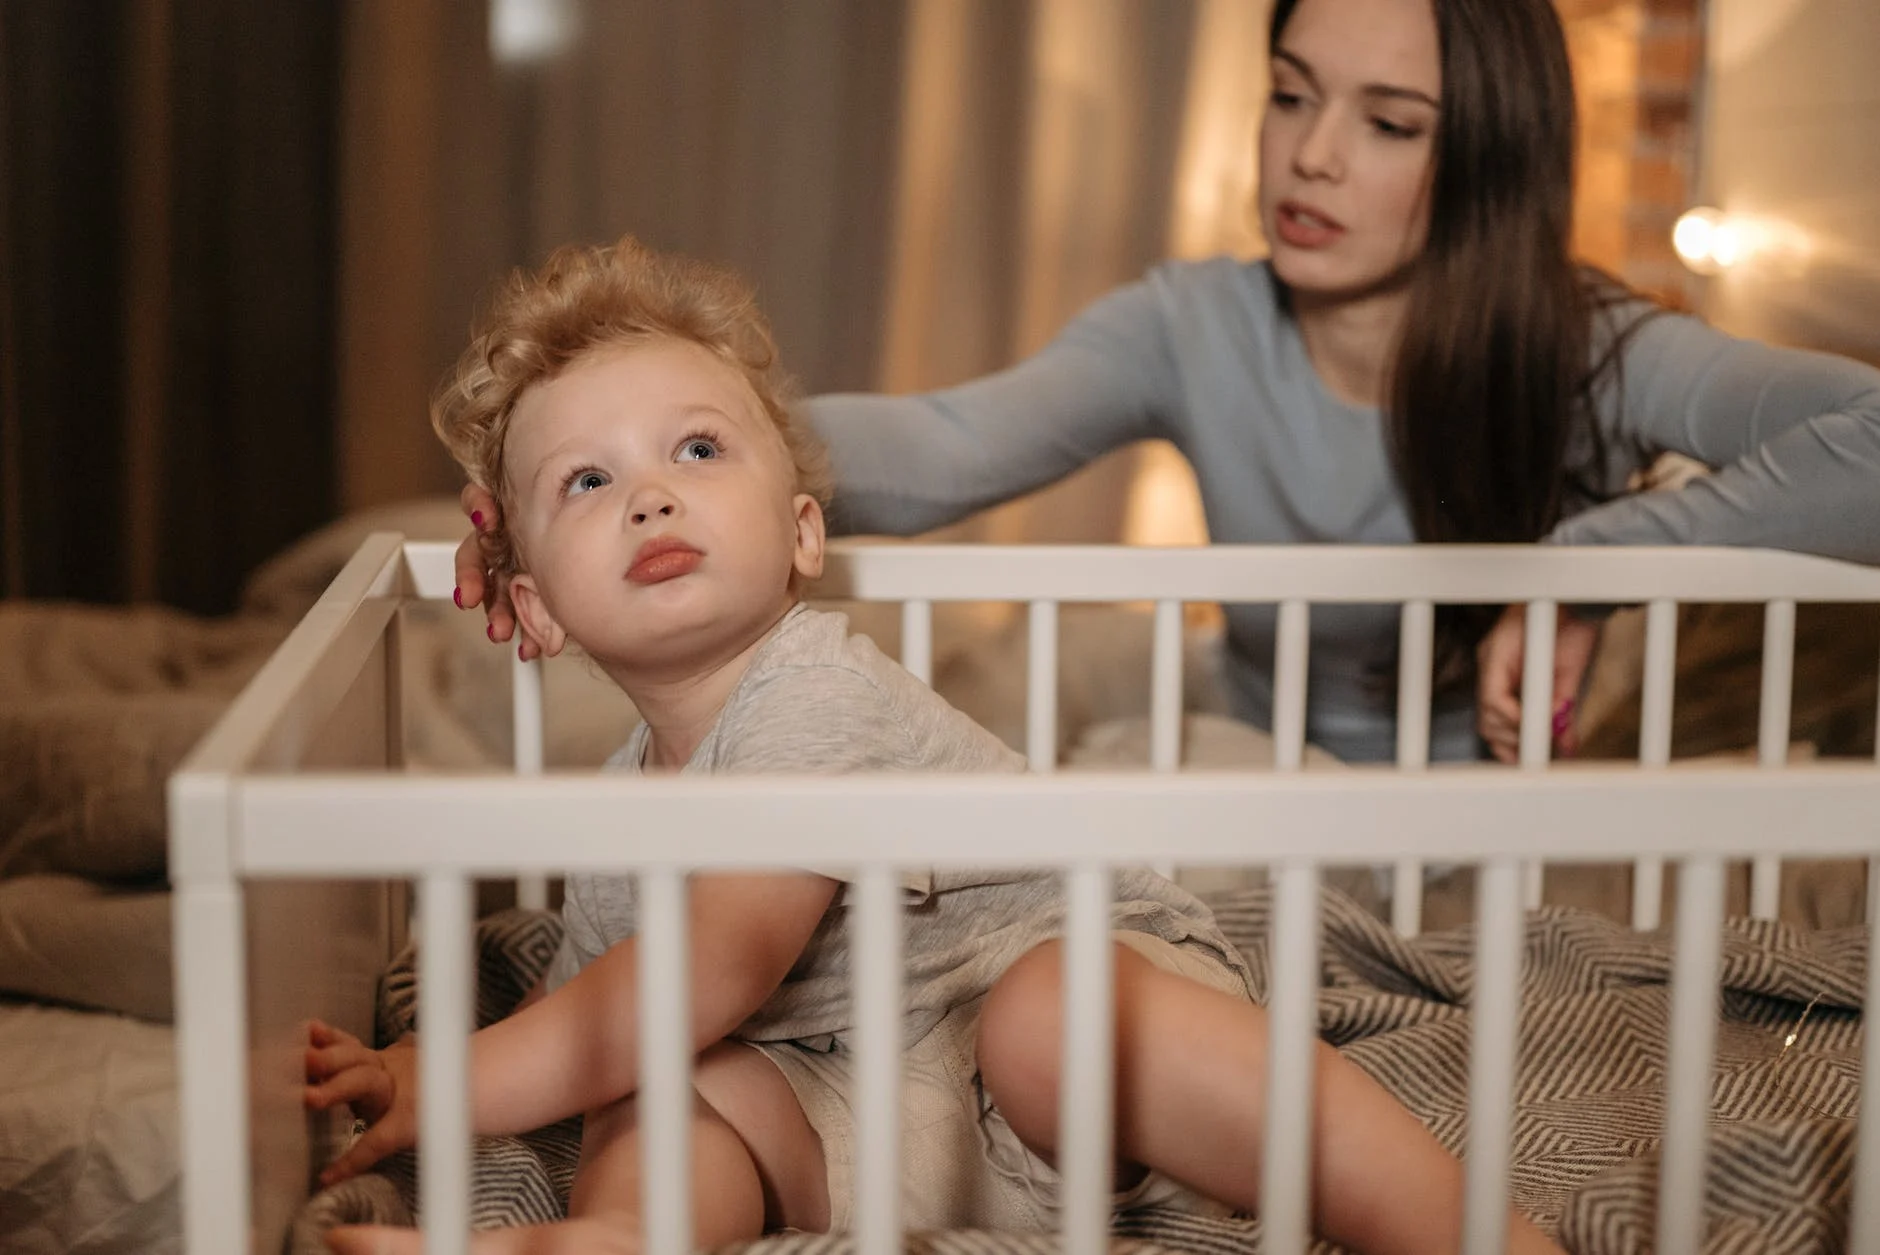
[(663, 558), (1301, 226)]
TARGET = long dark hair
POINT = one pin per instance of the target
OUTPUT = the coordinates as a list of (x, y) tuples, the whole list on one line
[(1491, 391)]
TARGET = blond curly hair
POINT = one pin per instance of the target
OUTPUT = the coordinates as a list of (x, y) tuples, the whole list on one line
[(585, 299)]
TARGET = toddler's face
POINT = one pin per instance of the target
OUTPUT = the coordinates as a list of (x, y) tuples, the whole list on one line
[(655, 509)]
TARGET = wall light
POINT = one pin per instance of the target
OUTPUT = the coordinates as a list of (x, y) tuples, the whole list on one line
[(529, 32), (1710, 241)]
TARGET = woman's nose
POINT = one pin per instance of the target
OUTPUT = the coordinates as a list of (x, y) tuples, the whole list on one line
[(1318, 154)]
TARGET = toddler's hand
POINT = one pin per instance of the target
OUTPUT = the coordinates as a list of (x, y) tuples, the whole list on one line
[(381, 1087), (475, 576)]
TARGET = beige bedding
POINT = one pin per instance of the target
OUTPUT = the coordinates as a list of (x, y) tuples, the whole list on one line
[(88, 1134)]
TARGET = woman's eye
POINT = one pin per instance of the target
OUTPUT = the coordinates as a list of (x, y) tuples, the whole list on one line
[(698, 449), (586, 481), (1284, 99), (1395, 130)]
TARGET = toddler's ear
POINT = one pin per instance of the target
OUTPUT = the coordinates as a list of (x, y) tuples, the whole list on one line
[(810, 536), (533, 613)]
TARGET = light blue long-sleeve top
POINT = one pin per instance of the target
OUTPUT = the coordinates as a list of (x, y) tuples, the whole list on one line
[(1204, 354)]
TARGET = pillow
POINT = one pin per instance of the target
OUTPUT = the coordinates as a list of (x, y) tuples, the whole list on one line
[(84, 788), (64, 939)]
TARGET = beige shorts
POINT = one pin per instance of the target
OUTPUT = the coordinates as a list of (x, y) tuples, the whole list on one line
[(962, 1165)]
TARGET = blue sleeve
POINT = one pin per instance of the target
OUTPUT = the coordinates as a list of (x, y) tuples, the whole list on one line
[(904, 465), (1794, 437)]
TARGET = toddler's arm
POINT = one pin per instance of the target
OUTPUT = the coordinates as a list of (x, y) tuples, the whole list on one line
[(578, 1047)]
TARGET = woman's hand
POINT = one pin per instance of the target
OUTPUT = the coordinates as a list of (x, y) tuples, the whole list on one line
[(475, 577), (1499, 661), (381, 1087)]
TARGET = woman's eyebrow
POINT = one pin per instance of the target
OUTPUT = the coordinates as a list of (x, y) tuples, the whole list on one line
[(1388, 91)]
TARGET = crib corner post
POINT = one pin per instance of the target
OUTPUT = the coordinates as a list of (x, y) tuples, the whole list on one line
[(206, 922)]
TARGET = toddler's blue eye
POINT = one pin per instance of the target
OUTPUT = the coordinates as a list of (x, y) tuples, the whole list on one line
[(586, 481), (698, 449)]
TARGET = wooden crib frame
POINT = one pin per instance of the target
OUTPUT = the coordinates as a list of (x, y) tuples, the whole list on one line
[(294, 828)]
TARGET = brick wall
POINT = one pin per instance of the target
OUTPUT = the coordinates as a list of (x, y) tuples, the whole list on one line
[(1637, 66)]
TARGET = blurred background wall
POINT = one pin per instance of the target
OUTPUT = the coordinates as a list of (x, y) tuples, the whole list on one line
[(240, 243)]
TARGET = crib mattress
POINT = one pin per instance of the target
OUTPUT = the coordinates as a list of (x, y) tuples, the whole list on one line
[(88, 1133), (1588, 1108)]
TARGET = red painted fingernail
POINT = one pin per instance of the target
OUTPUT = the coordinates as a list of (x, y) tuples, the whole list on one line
[(1563, 717), (520, 656), (476, 519), (456, 595), (489, 630)]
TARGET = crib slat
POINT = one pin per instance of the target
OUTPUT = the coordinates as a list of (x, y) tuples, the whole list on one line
[(1778, 673), (1165, 688), (1492, 1054), (917, 639), (1654, 743), (1289, 684), (1165, 697), (1042, 688), (444, 1008), (526, 719), (1873, 864), (1537, 716), (526, 715), (1537, 684), (1286, 1177), (1689, 1054), (1864, 1223), (1772, 741), (1415, 658), (875, 940), (1085, 1099), (395, 692), (209, 926), (665, 1098)]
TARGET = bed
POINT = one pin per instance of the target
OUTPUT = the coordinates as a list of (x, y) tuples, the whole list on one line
[(306, 778)]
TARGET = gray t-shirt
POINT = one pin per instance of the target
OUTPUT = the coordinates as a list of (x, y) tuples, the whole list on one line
[(1204, 354), (817, 700)]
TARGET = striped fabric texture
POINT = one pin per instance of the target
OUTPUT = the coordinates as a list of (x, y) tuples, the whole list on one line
[(1589, 1103)]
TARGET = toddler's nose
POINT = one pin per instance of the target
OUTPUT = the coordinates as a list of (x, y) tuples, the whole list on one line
[(640, 517)]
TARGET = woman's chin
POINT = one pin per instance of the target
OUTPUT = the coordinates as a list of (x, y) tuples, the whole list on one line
[(1318, 278)]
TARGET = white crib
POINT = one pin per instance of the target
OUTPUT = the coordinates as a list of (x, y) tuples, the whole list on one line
[(294, 828)]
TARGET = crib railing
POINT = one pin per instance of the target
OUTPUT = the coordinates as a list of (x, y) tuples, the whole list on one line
[(241, 810)]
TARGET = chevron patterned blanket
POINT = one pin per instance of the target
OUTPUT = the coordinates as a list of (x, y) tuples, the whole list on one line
[(1595, 1010)]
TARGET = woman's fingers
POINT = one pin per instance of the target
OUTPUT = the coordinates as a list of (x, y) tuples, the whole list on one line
[(470, 569), (1499, 665), (1573, 654), (479, 505), (1498, 684), (478, 584)]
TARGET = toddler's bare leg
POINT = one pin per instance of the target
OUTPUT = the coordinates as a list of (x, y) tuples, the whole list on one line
[(756, 1165), (1191, 1066)]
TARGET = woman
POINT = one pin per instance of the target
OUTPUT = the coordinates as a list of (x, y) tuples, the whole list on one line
[(1419, 358)]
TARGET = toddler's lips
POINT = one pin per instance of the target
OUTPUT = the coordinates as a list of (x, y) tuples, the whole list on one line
[(663, 558)]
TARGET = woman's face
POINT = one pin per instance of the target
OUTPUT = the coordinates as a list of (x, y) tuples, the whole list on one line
[(1347, 144)]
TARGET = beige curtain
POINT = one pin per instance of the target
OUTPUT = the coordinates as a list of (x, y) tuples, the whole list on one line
[(922, 190)]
